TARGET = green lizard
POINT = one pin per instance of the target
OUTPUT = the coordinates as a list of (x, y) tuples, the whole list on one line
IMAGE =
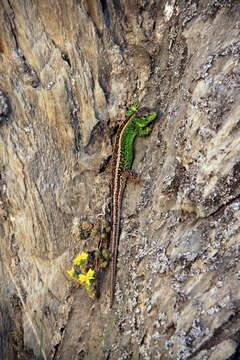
[(136, 124)]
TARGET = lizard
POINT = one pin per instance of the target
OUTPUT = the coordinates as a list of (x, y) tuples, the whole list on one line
[(136, 124)]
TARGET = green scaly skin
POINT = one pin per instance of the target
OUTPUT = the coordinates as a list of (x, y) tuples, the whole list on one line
[(136, 124)]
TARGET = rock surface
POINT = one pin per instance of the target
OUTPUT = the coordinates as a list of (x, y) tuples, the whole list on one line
[(68, 69)]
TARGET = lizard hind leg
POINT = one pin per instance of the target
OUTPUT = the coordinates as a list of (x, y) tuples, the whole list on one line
[(132, 176)]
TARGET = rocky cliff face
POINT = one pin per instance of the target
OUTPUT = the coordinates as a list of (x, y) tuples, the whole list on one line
[(68, 69)]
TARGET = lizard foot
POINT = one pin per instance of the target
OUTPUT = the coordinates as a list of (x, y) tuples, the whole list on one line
[(133, 177)]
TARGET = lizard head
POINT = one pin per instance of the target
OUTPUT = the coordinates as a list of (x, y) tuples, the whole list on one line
[(144, 118)]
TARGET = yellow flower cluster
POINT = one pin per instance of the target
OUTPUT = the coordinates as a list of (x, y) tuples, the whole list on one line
[(84, 277)]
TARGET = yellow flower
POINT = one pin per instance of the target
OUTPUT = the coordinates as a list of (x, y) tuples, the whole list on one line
[(80, 258), (71, 272), (86, 278)]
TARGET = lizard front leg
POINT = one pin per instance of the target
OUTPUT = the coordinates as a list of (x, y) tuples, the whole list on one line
[(144, 132)]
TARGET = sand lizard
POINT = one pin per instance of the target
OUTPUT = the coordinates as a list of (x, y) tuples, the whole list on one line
[(135, 124)]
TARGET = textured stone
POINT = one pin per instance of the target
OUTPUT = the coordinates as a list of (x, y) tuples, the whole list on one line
[(224, 350), (68, 71)]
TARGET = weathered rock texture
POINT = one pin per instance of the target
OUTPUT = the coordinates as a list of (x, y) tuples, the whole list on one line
[(68, 69)]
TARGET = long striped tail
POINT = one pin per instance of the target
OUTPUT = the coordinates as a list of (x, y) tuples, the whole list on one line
[(114, 250), (116, 213)]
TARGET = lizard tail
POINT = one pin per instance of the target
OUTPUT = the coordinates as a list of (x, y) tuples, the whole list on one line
[(113, 281), (115, 237)]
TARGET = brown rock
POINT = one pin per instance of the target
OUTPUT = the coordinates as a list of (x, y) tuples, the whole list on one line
[(68, 70)]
